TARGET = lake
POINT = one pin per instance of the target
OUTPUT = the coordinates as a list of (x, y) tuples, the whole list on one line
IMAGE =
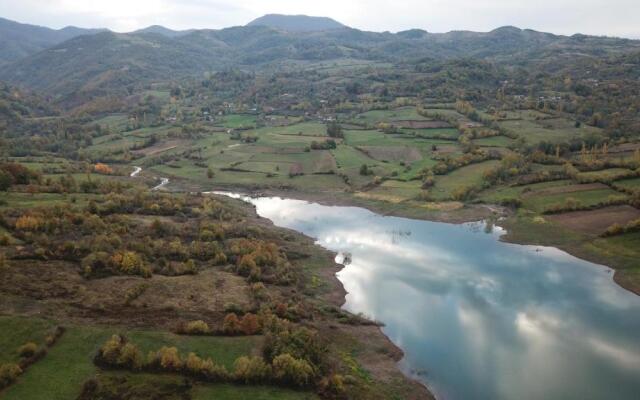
[(478, 318)]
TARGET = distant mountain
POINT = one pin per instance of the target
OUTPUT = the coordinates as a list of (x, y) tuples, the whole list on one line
[(161, 30), (20, 40), (110, 64), (297, 23)]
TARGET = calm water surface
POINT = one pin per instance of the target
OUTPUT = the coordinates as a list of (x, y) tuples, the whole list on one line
[(478, 318)]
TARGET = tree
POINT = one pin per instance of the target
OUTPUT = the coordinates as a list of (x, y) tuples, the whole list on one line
[(334, 130), (210, 173)]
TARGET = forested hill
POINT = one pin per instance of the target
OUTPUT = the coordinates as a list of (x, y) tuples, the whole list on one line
[(20, 40), (107, 63)]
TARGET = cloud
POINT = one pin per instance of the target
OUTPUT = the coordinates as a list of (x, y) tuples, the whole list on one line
[(613, 17)]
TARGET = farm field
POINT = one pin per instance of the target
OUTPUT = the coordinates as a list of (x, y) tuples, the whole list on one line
[(632, 184), (585, 195), (470, 175)]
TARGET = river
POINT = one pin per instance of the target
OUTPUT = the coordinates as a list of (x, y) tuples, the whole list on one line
[(478, 318)]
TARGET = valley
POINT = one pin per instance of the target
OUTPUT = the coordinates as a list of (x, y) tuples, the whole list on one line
[(125, 274)]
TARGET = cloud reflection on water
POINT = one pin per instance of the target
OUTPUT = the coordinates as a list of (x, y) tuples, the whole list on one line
[(484, 319)]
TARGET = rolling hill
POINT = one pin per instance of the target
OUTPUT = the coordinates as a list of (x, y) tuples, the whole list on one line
[(108, 63)]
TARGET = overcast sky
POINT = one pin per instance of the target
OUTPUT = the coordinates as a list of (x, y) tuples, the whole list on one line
[(598, 17)]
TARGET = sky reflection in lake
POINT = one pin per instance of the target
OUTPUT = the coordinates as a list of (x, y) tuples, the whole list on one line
[(477, 318)]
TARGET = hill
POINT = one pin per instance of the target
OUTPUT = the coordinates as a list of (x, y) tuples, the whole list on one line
[(107, 63), (297, 23), (161, 30), (20, 40)]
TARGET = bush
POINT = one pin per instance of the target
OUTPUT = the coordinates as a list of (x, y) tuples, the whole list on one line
[(110, 351), (231, 324), (3, 261), (196, 328), (282, 337), (249, 324), (27, 349), (292, 371), (205, 368), (618, 229), (251, 370), (332, 386), (130, 263), (8, 374), (116, 352), (166, 359), (131, 357)]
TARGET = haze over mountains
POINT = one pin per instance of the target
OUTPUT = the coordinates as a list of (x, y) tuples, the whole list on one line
[(297, 23), (75, 63), (20, 40)]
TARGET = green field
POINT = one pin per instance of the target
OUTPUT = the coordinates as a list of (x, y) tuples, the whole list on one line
[(555, 130), (585, 197), (234, 392), (467, 176), (633, 184), (494, 141), (398, 114), (68, 363), (239, 121)]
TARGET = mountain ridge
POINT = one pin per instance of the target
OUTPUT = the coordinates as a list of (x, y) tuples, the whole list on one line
[(98, 64), (18, 40)]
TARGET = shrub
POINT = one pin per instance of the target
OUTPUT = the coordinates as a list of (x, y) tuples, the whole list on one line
[(282, 337), (618, 229), (196, 328), (103, 169), (3, 261), (167, 359), (29, 223), (130, 263), (332, 386), (130, 357), (27, 349), (110, 351), (116, 352), (251, 370), (249, 324), (8, 374), (231, 324), (292, 371), (5, 239), (205, 368)]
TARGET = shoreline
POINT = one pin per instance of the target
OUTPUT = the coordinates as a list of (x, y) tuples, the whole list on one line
[(503, 217), (337, 296)]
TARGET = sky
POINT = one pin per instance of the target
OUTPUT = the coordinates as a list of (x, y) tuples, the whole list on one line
[(598, 17)]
